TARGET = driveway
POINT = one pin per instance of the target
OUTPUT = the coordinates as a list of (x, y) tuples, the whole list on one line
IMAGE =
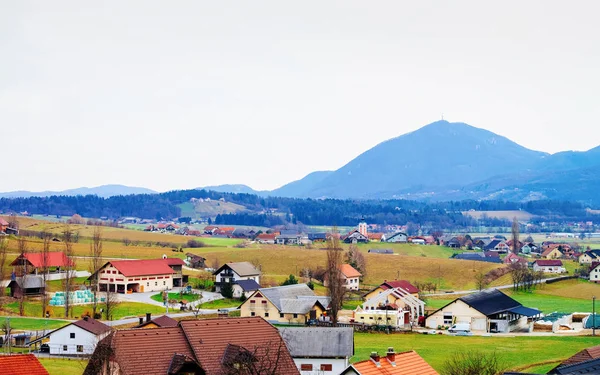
[(145, 297)]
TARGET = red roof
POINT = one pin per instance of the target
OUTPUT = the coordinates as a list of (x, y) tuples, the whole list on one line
[(25, 364), (266, 236), (375, 236), (54, 259), (92, 325), (3, 222), (584, 355), (549, 262), (349, 271), (404, 284), (407, 363), (174, 262), (142, 267)]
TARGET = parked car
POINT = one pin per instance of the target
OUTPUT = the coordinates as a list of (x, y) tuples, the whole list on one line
[(45, 348), (460, 327)]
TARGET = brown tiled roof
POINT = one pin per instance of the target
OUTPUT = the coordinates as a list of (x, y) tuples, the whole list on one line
[(26, 364), (584, 355), (407, 363), (349, 271), (548, 263), (92, 325), (161, 321), (211, 337)]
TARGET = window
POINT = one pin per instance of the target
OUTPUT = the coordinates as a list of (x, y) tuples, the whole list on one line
[(147, 284), (266, 315), (164, 283), (326, 367), (64, 348), (295, 316), (448, 318), (252, 313), (281, 315), (263, 302), (72, 335), (79, 348), (306, 367), (156, 283), (252, 301)]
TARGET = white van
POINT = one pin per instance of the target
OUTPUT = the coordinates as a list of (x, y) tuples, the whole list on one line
[(460, 327)]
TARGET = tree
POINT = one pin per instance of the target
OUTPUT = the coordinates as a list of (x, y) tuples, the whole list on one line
[(260, 360), (472, 363), (45, 254), (13, 222), (7, 329), (335, 283), (481, 280), (356, 259), (227, 290), (96, 264), (23, 271), (291, 280), (515, 236), (3, 253), (67, 237), (110, 302)]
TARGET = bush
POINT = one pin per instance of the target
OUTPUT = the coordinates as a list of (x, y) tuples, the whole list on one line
[(311, 285), (227, 290), (194, 244), (291, 280)]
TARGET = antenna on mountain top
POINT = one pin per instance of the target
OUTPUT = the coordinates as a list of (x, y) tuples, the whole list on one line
[(442, 117)]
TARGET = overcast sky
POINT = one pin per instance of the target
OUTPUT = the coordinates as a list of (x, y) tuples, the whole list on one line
[(171, 95)]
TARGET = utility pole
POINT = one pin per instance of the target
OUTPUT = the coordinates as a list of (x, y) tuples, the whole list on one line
[(594, 316)]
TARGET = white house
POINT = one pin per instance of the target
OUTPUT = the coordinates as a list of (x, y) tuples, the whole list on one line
[(398, 237), (233, 272), (589, 256), (351, 277), (77, 338), (549, 266), (318, 351), (595, 273)]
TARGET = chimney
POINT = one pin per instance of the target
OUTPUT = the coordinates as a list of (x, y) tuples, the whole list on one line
[(85, 318), (141, 320), (375, 358), (391, 356), (148, 317)]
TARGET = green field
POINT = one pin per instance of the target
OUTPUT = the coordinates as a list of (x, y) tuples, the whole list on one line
[(63, 366), (121, 310), (515, 352), (221, 303), (33, 324), (186, 297)]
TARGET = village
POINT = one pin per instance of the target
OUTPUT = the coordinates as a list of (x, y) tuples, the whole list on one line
[(191, 293)]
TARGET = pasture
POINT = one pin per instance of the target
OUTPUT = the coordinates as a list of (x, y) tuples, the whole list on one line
[(59, 366)]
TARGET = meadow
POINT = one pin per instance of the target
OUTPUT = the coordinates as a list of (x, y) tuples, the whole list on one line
[(61, 366), (33, 324), (33, 308)]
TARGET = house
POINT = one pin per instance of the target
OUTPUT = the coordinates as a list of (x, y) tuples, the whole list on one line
[(510, 245), (589, 257), (453, 243), (585, 355), (350, 276), (549, 266), (233, 272), (245, 287), (3, 225), (176, 265), (553, 253), (486, 311), (30, 285), (265, 238), (404, 284), (137, 276), (209, 229), (318, 237), (36, 262), (394, 307), (195, 261), (355, 237), (161, 321), (206, 346), (77, 338), (319, 350), (295, 303), (399, 237), (512, 258), (497, 245), (595, 272), (478, 257), (529, 248), (404, 363), (380, 251), (376, 237), (292, 239), (418, 240), (21, 364)]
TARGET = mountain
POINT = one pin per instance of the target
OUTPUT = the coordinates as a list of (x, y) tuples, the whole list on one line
[(302, 187), (101, 191), (233, 188), (439, 155)]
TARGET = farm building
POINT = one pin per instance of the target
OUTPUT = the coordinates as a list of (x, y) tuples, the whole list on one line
[(396, 307), (488, 311), (398, 237), (36, 262), (30, 285), (319, 350), (380, 251), (589, 257), (350, 277), (386, 285), (77, 338), (549, 266)]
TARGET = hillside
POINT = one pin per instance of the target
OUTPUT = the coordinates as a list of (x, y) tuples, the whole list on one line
[(103, 191)]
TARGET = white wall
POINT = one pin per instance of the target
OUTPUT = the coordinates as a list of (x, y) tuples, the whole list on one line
[(62, 337), (337, 365)]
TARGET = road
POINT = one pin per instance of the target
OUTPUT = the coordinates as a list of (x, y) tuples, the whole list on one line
[(507, 286)]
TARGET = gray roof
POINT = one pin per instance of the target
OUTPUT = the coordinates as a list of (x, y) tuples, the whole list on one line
[(241, 268), (31, 281), (293, 298), (248, 285), (330, 342)]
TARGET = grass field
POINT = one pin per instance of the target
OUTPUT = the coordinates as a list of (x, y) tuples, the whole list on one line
[(515, 352), (221, 303), (63, 366), (186, 297), (121, 310), (32, 324)]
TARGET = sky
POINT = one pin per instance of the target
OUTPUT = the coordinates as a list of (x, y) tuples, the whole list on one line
[(174, 95)]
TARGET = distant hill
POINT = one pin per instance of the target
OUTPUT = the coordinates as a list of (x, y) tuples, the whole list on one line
[(233, 188), (441, 154), (302, 187), (101, 191)]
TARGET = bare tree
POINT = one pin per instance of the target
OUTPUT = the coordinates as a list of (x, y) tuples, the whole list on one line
[(7, 329), (13, 222), (215, 264), (515, 235), (47, 238), (261, 360), (481, 280), (23, 272), (110, 302), (335, 283), (473, 363), (69, 267), (96, 255), (357, 259), (3, 251)]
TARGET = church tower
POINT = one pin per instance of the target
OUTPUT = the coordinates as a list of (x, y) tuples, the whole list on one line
[(362, 227)]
